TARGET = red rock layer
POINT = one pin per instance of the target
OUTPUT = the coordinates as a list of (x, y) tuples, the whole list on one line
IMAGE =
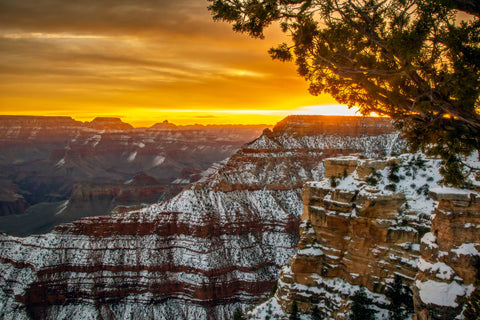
[(216, 246)]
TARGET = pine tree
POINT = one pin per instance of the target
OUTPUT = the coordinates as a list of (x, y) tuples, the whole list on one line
[(294, 314), (333, 182), (316, 314), (361, 306), (269, 312), (472, 311), (238, 314), (273, 290), (401, 300)]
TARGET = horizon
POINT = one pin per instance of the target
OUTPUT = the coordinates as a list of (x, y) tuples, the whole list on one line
[(189, 121)]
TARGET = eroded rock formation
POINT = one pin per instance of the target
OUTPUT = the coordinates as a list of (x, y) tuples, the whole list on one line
[(370, 222), (216, 246), (45, 157), (449, 266)]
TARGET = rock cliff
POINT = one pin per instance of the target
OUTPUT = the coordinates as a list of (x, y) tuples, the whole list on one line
[(10, 201), (216, 246), (45, 157), (373, 221), (449, 266)]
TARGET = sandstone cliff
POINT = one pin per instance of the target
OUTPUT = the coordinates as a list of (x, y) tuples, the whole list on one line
[(371, 222), (449, 266), (216, 246)]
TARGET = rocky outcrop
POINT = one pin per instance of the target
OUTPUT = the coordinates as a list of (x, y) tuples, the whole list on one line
[(47, 156), (165, 125), (449, 266), (360, 228), (108, 123), (216, 246), (11, 202), (368, 226), (343, 126), (99, 198)]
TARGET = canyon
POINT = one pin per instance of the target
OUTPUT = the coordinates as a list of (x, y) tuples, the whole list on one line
[(379, 221), (308, 213), (56, 169), (216, 246)]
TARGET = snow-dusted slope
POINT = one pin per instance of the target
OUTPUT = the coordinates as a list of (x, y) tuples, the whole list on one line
[(45, 161), (363, 226), (217, 245)]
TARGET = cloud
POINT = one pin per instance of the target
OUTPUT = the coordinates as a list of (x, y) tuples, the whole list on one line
[(110, 55), (114, 17)]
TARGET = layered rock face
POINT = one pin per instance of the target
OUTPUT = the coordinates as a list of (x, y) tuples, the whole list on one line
[(217, 245), (369, 223), (449, 266), (101, 198), (10, 201), (107, 149), (43, 158)]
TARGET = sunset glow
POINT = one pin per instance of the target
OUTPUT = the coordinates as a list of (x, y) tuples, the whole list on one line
[(145, 62)]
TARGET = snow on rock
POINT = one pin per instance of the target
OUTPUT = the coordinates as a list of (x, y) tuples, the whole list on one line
[(448, 267), (467, 249), (440, 293), (429, 240), (60, 163), (218, 245), (440, 269), (451, 194), (158, 160), (363, 223), (132, 156), (264, 143)]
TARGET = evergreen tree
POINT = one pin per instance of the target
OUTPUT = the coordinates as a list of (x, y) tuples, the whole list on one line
[(416, 61), (238, 314), (361, 306), (269, 312), (333, 182), (316, 314), (472, 311), (401, 301), (294, 314)]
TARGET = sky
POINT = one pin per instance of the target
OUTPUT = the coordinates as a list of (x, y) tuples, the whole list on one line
[(144, 61)]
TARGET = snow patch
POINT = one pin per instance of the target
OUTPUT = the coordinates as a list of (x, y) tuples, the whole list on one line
[(132, 156), (440, 293), (158, 160), (62, 207), (450, 191), (60, 163), (95, 140), (430, 240), (440, 269), (466, 249)]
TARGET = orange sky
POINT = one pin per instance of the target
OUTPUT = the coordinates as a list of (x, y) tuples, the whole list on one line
[(143, 60)]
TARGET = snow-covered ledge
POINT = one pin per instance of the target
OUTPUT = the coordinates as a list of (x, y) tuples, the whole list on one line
[(453, 194)]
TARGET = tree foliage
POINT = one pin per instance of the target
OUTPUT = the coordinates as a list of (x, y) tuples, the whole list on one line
[(238, 314), (361, 306), (294, 313), (317, 314), (472, 310), (416, 61), (401, 300)]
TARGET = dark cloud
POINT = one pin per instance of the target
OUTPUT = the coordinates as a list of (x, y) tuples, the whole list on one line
[(118, 17)]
